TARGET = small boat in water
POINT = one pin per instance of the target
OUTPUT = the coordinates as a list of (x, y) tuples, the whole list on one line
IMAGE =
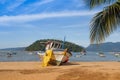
[(101, 54), (78, 56), (9, 54), (117, 54), (83, 52), (54, 54)]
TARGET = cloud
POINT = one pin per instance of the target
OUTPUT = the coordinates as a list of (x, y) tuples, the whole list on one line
[(42, 2), (33, 17), (79, 3), (15, 4), (34, 6), (77, 25), (71, 26)]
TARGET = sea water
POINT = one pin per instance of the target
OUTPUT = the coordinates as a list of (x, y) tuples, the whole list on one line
[(8, 56)]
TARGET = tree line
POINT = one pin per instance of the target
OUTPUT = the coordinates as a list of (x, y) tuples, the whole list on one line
[(37, 45)]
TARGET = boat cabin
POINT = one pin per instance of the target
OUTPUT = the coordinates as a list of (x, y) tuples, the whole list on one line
[(53, 45)]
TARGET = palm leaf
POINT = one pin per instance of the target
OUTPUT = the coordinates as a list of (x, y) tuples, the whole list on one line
[(105, 22), (93, 3)]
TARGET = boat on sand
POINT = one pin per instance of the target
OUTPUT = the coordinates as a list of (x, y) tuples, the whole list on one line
[(54, 54)]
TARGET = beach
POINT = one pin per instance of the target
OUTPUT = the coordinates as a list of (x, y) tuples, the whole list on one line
[(68, 71)]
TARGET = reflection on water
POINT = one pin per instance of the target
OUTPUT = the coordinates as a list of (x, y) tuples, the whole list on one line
[(32, 56)]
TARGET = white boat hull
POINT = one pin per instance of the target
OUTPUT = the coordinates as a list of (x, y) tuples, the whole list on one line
[(59, 57)]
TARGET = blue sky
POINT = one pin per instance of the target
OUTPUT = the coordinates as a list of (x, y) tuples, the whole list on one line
[(24, 21)]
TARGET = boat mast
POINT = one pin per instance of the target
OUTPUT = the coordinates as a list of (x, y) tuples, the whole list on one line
[(63, 45)]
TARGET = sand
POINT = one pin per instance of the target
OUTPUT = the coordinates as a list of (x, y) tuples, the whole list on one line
[(69, 71)]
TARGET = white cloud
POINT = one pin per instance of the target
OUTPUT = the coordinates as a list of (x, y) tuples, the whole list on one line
[(42, 2), (76, 25), (34, 6), (79, 3), (32, 17), (15, 4), (72, 26)]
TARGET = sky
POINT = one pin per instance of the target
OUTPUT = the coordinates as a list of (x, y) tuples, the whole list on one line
[(22, 22)]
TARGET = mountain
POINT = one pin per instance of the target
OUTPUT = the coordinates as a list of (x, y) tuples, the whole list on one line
[(15, 49), (37, 45), (106, 47)]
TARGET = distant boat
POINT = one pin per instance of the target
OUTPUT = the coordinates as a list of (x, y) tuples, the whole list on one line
[(9, 54), (30, 53), (77, 56), (117, 54), (101, 54), (83, 52)]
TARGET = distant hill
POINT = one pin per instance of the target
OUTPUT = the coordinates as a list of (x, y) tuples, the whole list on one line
[(107, 47), (37, 46), (15, 49)]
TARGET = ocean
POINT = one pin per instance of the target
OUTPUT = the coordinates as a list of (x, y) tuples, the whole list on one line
[(12, 56)]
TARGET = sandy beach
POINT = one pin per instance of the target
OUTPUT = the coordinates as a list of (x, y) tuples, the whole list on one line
[(69, 71)]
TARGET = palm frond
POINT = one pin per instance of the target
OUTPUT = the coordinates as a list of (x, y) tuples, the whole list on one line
[(104, 23), (93, 3)]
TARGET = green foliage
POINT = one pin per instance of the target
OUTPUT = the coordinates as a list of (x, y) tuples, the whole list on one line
[(94, 3), (39, 46), (104, 22)]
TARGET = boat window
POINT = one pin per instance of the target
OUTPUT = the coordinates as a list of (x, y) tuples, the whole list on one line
[(56, 45), (52, 44), (60, 46)]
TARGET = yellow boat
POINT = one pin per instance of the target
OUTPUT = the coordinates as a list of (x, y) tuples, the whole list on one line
[(54, 54)]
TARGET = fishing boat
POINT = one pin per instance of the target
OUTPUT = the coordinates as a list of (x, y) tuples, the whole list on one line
[(83, 52), (54, 54), (117, 54), (101, 54)]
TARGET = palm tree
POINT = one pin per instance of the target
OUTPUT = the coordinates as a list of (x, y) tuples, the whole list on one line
[(105, 21)]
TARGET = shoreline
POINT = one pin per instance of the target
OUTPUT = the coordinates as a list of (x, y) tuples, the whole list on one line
[(69, 71)]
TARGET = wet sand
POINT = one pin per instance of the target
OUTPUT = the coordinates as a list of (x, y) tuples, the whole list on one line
[(69, 71)]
